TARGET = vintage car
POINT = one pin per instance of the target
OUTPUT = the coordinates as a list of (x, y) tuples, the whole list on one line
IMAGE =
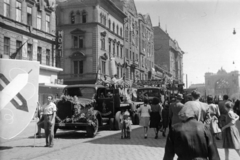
[(88, 106)]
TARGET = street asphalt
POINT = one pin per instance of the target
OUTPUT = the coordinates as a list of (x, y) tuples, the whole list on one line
[(106, 145)]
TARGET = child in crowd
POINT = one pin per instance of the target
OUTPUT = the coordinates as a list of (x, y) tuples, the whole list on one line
[(126, 123)]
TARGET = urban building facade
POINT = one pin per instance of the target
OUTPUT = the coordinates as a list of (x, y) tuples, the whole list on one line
[(222, 82), (27, 27), (92, 39), (168, 54), (146, 48)]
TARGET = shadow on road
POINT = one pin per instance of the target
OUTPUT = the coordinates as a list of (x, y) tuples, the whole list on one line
[(5, 147), (136, 139)]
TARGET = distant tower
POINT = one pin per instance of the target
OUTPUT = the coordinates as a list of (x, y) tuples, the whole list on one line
[(159, 22)]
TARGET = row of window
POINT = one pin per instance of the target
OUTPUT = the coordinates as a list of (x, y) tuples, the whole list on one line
[(29, 12), (29, 51), (78, 17)]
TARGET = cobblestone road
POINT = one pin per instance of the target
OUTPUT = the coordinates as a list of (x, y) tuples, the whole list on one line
[(74, 145)]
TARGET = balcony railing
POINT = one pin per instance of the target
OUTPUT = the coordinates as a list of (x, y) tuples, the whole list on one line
[(87, 78)]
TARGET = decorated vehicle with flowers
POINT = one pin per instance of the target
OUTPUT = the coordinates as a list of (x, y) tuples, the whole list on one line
[(88, 106)]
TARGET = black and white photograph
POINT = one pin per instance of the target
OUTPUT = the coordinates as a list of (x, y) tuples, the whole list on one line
[(119, 79)]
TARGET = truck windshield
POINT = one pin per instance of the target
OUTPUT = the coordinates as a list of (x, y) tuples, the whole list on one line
[(84, 92), (147, 93)]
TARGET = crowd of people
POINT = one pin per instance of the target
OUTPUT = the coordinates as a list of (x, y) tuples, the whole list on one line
[(194, 126)]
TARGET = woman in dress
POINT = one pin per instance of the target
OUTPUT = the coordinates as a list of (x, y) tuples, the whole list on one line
[(156, 115), (144, 111), (230, 133), (214, 114)]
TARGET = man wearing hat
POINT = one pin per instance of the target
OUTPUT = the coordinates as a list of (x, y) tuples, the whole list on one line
[(174, 109)]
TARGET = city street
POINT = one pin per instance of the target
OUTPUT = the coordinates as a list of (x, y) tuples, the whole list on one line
[(75, 145)]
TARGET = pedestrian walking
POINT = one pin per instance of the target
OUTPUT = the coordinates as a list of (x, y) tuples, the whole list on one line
[(214, 114), (230, 133), (200, 108), (49, 114), (174, 109), (144, 111), (165, 117), (190, 139), (40, 123), (156, 116)]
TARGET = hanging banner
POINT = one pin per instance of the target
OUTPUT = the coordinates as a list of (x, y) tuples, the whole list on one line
[(113, 68), (18, 95)]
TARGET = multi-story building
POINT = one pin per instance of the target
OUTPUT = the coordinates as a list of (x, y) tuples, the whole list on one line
[(92, 39), (222, 82), (146, 47), (30, 26), (131, 38), (168, 54)]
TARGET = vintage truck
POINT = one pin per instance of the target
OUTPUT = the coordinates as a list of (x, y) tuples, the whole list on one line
[(88, 106)]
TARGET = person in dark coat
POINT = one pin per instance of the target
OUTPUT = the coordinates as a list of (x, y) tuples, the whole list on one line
[(155, 116), (190, 140), (174, 109), (165, 117)]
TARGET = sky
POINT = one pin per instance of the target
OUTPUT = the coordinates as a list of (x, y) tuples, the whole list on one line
[(203, 30)]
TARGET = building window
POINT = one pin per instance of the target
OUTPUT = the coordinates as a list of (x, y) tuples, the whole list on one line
[(29, 16), (113, 27), (39, 55), (126, 35), (102, 42), (72, 18), (121, 32), (109, 47), (103, 67), (109, 24), (48, 57), (6, 46), (130, 55), (78, 67), (118, 75), (127, 53), (127, 73), (121, 55), (47, 23), (113, 49), (117, 30), (77, 41), (29, 51), (117, 50), (18, 11), (84, 17), (19, 54), (39, 20), (7, 8)]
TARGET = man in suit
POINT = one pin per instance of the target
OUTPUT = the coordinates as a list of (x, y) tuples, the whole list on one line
[(190, 139)]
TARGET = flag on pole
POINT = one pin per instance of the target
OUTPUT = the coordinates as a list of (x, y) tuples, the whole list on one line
[(14, 55)]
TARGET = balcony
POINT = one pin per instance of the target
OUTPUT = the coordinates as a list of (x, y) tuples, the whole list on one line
[(135, 64)]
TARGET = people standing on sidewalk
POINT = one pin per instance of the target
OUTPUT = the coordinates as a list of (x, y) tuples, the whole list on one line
[(40, 123), (156, 116), (230, 133), (165, 116), (174, 109), (144, 110), (49, 114), (214, 114), (190, 139)]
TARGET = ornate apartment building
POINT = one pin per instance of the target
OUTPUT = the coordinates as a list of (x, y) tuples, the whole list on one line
[(168, 55), (28, 26), (92, 39), (146, 47)]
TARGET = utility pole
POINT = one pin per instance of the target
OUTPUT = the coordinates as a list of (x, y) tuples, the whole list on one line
[(186, 81)]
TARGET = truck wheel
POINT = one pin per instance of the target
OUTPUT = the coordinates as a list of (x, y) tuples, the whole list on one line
[(92, 130), (111, 124), (117, 120)]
